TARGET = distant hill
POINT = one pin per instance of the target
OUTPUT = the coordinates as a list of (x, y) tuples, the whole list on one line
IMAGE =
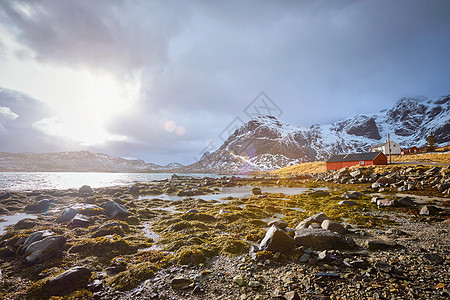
[(76, 161), (266, 143)]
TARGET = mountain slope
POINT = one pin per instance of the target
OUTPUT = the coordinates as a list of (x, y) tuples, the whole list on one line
[(76, 161), (265, 143)]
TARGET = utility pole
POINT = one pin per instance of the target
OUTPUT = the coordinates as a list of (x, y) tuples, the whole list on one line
[(389, 147)]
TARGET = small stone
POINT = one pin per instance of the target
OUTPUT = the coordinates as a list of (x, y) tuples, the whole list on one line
[(256, 191), (254, 284), (95, 286), (324, 255), (382, 266), (239, 280), (180, 283), (326, 275), (192, 211), (304, 258), (353, 195), (292, 295)]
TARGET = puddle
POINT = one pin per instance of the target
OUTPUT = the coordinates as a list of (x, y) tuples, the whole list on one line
[(236, 192), (11, 220), (149, 233), (296, 208), (170, 209)]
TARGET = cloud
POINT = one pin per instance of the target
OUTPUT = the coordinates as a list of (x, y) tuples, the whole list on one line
[(6, 115), (200, 63)]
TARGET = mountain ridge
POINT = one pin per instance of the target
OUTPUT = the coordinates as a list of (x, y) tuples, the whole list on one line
[(265, 143), (76, 161)]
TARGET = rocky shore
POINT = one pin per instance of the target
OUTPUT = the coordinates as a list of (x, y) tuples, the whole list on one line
[(361, 233)]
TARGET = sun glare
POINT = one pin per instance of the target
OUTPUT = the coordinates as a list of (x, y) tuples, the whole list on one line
[(101, 98)]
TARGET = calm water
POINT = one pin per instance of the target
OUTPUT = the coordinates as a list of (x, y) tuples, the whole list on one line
[(28, 181)]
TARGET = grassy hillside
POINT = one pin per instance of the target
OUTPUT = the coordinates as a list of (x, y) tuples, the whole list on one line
[(436, 157), (302, 169), (320, 166)]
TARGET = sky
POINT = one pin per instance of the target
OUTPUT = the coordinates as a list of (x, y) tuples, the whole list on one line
[(164, 81)]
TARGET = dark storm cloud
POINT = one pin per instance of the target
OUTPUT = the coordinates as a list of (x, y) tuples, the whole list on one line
[(202, 62)]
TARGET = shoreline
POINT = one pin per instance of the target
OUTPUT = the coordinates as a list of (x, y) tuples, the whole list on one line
[(206, 248)]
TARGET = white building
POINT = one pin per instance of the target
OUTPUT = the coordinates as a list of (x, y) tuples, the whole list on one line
[(395, 148)]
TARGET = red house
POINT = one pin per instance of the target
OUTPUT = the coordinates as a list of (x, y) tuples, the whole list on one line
[(411, 150), (363, 159)]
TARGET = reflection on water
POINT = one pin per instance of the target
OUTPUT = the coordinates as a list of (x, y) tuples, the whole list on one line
[(28, 181), (11, 220)]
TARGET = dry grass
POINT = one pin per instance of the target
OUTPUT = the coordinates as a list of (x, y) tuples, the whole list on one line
[(302, 169), (436, 157)]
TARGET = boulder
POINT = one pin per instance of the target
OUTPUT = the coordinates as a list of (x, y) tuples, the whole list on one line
[(67, 215), (36, 236), (114, 209), (71, 280), (317, 218), (333, 226), (276, 240), (85, 190), (282, 224), (46, 248), (405, 202), (353, 195), (386, 180), (318, 193), (443, 187), (320, 238), (381, 245), (5, 196), (386, 203), (429, 210), (347, 202), (109, 229), (80, 221), (38, 207), (256, 191), (26, 223)]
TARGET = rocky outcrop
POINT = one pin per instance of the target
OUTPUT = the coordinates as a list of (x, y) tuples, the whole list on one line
[(399, 179)]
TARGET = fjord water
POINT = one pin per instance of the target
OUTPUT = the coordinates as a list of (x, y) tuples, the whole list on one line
[(29, 181)]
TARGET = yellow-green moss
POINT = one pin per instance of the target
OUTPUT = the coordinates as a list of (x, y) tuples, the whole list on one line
[(131, 278)]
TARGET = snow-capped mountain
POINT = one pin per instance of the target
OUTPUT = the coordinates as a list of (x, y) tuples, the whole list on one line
[(265, 143), (77, 161)]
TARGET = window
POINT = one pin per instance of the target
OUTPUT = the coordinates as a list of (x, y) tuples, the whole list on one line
[(361, 162)]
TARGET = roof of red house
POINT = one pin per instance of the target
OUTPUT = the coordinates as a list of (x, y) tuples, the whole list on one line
[(354, 157)]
